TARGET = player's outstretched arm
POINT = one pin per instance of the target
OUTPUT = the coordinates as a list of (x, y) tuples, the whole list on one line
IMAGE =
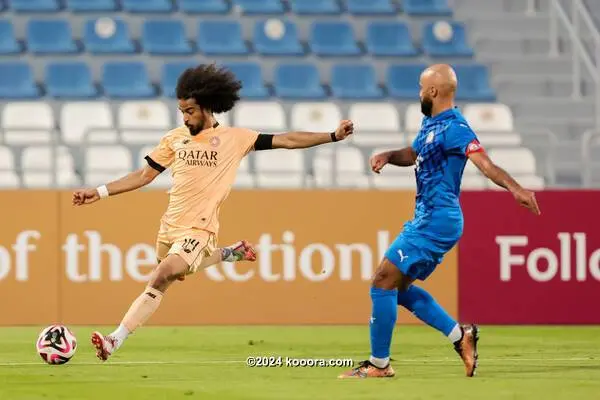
[(129, 182), (503, 179), (402, 158), (302, 140)]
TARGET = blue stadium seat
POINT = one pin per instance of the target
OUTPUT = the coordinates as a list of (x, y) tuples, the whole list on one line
[(170, 73), (117, 42), (221, 37), (402, 81), (71, 80), (126, 80), (17, 82), (315, 7), (8, 41), (385, 38), (50, 37), (329, 38), (355, 81), (371, 7), (147, 6), (286, 45), (203, 7), (260, 6), (298, 81), (473, 83), (427, 7), (165, 37), (250, 74), (456, 45), (34, 5), (91, 5)]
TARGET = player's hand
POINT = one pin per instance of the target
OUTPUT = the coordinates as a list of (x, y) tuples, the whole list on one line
[(379, 161), (527, 200), (345, 129), (85, 196)]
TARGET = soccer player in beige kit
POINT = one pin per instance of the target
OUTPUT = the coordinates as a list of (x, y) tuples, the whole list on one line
[(203, 157)]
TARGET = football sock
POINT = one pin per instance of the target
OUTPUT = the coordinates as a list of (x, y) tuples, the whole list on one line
[(140, 311), (224, 254), (383, 320), (120, 334), (423, 306)]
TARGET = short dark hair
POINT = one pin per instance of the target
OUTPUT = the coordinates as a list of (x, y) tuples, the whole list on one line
[(214, 88)]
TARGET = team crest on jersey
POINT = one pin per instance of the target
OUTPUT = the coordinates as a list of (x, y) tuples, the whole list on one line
[(214, 141), (185, 141), (430, 137)]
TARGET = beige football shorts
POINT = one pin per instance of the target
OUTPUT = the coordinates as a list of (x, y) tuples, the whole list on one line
[(193, 245)]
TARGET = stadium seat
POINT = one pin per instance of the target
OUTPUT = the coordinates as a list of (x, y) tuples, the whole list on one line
[(244, 178), (50, 37), (17, 82), (147, 6), (474, 83), (165, 37), (446, 39), (70, 80), (315, 117), (221, 38), (170, 73), (427, 7), (143, 121), (379, 124), (413, 119), (402, 80), (79, 120), (277, 38), (349, 170), (107, 36), (355, 81), (126, 80), (38, 166), (298, 81), (8, 41), (315, 7), (34, 5), (20, 128), (389, 39), (250, 74), (8, 177), (91, 5), (279, 169), (251, 7), (519, 162), (492, 117), (371, 7), (328, 38), (203, 7), (106, 163), (252, 116)]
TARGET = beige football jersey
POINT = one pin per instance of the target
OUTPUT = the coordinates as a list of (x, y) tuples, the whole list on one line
[(203, 168)]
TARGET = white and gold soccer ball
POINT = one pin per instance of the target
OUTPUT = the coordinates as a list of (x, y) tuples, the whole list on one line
[(56, 344)]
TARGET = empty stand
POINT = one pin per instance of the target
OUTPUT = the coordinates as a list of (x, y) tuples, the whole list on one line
[(385, 38), (8, 40), (279, 169), (355, 82), (106, 163), (17, 81), (221, 37), (28, 123), (143, 121), (8, 177), (127, 80), (203, 7), (260, 7), (372, 7), (46, 166), (46, 37), (165, 37), (70, 80), (277, 38), (107, 36), (333, 38), (252, 116), (91, 5), (87, 122), (298, 81)]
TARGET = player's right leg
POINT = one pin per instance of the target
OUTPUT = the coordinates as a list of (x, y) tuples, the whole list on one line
[(143, 307)]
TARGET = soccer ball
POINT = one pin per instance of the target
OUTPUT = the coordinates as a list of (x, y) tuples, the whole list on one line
[(56, 344)]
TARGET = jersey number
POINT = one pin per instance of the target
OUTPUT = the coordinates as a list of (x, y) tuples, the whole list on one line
[(190, 245)]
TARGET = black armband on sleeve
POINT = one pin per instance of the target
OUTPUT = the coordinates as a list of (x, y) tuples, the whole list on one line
[(263, 142), (154, 164)]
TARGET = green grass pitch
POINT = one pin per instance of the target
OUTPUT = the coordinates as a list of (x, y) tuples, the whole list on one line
[(209, 363)]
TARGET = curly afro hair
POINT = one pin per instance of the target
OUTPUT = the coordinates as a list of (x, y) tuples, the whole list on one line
[(215, 89)]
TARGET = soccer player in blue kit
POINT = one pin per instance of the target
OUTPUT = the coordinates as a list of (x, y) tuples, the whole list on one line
[(439, 153)]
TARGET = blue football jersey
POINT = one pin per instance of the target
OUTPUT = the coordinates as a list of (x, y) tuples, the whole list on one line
[(442, 147)]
